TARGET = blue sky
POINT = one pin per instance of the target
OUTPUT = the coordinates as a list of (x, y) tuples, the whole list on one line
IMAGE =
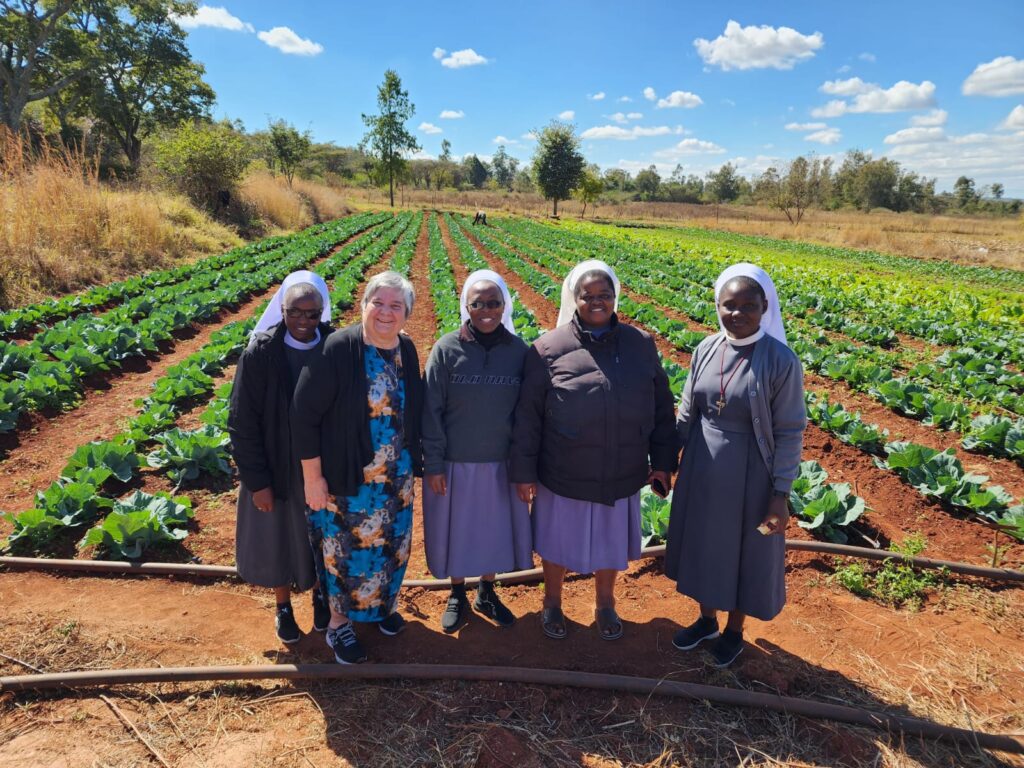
[(938, 86)]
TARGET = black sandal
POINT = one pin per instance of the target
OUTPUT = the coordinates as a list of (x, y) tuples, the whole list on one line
[(552, 621), (609, 625)]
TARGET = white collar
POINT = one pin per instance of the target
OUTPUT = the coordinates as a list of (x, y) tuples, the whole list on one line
[(294, 343), (751, 339)]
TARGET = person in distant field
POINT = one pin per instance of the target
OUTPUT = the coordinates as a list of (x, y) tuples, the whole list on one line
[(480, 218), (741, 424), (593, 426), (272, 545), (356, 419), (473, 520)]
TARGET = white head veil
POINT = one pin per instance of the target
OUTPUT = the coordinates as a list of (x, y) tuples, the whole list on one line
[(568, 305), (771, 322), (493, 277), (274, 313)]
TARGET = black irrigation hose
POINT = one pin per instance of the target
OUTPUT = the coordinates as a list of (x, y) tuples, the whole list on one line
[(516, 577), (643, 686)]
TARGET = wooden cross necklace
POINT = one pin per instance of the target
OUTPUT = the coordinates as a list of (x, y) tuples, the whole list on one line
[(722, 384)]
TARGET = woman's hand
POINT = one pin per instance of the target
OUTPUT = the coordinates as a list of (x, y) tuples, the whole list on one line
[(438, 484), (263, 499), (663, 477), (317, 496), (527, 492), (774, 522)]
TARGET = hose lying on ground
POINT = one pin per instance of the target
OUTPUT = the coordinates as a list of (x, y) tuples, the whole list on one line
[(643, 686), (516, 577)]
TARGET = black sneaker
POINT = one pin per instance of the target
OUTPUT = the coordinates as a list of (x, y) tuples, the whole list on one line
[(345, 644), (392, 625), (726, 648), (489, 605), (321, 612), (287, 630), (455, 612), (704, 628)]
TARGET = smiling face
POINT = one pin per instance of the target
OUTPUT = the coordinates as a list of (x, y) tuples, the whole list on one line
[(484, 318), (301, 318), (740, 307), (384, 317), (595, 300)]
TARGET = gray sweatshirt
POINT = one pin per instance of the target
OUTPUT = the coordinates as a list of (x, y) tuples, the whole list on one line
[(471, 395)]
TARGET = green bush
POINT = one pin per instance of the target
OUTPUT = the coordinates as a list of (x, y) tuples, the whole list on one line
[(203, 159)]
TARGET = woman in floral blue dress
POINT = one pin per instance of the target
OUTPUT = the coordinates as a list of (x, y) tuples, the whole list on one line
[(357, 415)]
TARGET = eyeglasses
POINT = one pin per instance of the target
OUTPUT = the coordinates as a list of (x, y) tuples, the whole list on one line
[(306, 314), (492, 304)]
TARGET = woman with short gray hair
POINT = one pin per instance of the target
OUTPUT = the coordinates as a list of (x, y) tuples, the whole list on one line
[(356, 416)]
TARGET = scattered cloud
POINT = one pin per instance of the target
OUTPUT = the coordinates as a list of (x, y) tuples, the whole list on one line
[(649, 93), (1003, 76), (689, 147), (567, 115), (825, 136), (421, 154), (683, 99), (504, 140), (870, 97), (869, 57), (761, 47), (625, 117), (935, 117), (729, 102), (596, 96), (984, 157), (429, 128), (625, 99), (452, 114), (213, 16), (916, 135), (628, 134), (1015, 120), (529, 136), (286, 41), (844, 69), (805, 126), (459, 59)]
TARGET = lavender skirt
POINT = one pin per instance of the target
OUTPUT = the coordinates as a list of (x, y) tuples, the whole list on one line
[(584, 536), (480, 526)]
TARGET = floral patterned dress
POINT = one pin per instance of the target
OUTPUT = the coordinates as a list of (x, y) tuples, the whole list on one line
[(366, 542)]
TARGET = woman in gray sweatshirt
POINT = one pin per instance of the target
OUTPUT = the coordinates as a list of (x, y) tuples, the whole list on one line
[(474, 523)]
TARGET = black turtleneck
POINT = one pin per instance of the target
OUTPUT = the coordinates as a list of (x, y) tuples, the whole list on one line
[(488, 340)]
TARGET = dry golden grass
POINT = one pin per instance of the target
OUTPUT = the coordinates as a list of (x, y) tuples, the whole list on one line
[(62, 229), (271, 199), (327, 202)]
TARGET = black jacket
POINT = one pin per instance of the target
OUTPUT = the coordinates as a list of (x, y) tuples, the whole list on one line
[(331, 416), (258, 418), (594, 414)]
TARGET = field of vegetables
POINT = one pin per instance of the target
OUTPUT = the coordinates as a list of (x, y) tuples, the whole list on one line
[(112, 428)]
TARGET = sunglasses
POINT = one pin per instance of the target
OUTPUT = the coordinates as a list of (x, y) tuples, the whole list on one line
[(492, 304), (307, 314)]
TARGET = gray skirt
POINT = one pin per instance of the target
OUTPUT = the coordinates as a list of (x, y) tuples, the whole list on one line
[(480, 526), (714, 552), (586, 536), (272, 549)]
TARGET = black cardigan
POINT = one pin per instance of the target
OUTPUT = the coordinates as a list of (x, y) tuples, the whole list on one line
[(331, 416), (258, 415)]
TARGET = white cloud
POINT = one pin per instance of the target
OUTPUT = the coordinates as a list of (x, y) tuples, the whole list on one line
[(918, 135), (429, 128), (681, 99), (805, 126), (634, 115), (625, 99), (870, 97), (567, 115), (452, 114), (935, 117), (844, 69), (1003, 76), (869, 57), (216, 17), (529, 136), (286, 41), (649, 93), (504, 140), (825, 136), (459, 59), (627, 134), (421, 154), (984, 157), (439, 53), (1015, 120), (624, 117), (596, 96), (689, 147), (761, 47)]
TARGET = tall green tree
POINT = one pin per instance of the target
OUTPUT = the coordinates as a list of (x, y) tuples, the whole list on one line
[(590, 188), (504, 167), (723, 185), (289, 147), (557, 162), (147, 77), (476, 171), (648, 182), (387, 138)]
